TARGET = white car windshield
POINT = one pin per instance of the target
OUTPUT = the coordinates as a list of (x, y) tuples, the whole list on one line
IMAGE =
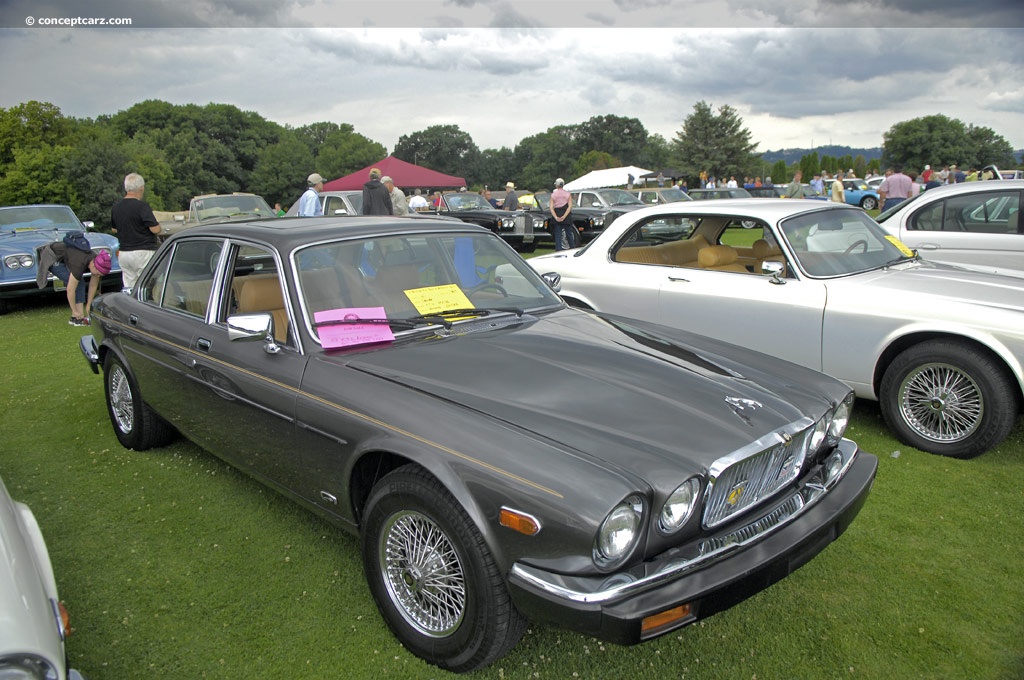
[(38, 217), (831, 243)]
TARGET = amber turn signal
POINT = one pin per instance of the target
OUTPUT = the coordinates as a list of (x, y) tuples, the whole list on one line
[(666, 619), (519, 521)]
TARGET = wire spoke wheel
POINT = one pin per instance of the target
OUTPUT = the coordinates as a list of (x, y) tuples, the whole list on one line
[(121, 406), (423, 574), (941, 402)]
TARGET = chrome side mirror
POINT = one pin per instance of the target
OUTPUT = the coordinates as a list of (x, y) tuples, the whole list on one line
[(774, 269), (554, 280), (256, 326)]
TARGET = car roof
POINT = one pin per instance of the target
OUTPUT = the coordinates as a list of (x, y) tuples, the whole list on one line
[(769, 209), (971, 187), (290, 232)]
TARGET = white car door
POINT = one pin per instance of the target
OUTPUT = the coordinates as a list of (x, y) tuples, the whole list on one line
[(783, 320)]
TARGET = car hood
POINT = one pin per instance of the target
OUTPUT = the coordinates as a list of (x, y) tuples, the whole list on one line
[(26, 240), (609, 388), (945, 286)]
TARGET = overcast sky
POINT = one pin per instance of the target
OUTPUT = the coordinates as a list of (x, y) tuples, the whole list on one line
[(808, 73)]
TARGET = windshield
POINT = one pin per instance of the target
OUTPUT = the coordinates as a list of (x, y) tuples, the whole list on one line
[(620, 197), (839, 242), (223, 207), (38, 217), (417, 280), (466, 201)]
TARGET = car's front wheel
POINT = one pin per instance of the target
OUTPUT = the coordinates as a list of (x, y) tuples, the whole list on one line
[(869, 203), (948, 398), (135, 424), (432, 575)]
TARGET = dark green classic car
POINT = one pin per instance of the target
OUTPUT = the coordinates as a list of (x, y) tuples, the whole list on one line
[(502, 456)]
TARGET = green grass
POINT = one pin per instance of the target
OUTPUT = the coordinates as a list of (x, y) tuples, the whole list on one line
[(175, 566)]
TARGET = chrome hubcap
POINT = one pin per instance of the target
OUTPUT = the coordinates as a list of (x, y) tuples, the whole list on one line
[(941, 403), (423, 574), (121, 400)]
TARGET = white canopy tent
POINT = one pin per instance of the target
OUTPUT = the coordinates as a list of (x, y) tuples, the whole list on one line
[(612, 177)]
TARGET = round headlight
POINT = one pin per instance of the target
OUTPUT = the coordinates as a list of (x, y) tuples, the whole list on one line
[(619, 530), (818, 435), (840, 420), (680, 505), (25, 261)]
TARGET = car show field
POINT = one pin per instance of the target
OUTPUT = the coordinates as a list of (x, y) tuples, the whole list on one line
[(209, 574)]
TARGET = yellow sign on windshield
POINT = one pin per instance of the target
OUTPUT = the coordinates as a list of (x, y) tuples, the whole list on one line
[(899, 244), (435, 299)]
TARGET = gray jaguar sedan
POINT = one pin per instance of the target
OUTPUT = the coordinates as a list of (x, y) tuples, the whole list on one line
[(419, 385)]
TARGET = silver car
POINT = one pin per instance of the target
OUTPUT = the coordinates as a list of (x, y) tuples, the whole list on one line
[(33, 623), (821, 284), (973, 224)]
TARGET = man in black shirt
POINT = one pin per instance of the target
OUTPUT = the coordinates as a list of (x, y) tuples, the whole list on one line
[(136, 229), (376, 198)]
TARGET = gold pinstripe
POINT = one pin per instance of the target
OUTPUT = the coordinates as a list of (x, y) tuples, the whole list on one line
[(345, 409)]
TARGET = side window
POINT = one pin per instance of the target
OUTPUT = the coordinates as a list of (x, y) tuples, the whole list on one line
[(989, 213), (187, 278), (741, 234), (152, 288), (335, 206), (929, 219), (256, 286)]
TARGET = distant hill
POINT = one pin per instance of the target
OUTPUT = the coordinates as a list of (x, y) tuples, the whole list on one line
[(791, 156)]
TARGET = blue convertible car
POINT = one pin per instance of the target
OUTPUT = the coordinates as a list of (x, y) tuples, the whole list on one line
[(25, 228)]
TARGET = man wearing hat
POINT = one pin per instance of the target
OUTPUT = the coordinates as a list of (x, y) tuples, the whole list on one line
[(69, 265), (309, 202), (511, 200)]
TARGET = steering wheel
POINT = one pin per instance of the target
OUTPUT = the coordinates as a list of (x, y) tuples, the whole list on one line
[(859, 243), (487, 285)]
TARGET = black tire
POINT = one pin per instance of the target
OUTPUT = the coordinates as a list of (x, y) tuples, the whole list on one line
[(948, 398), (869, 203), (135, 424), (527, 247), (414, 532)]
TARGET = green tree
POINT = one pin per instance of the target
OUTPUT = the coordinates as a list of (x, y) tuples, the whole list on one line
[(621, 137), (36, 175), (280, 172), (95, 168), (988, 148), (936, 140), (780, 173), (344, 151), (314, 135), (594, 160), (32, 125), (544, 157), (497, 166), (717, 144), (656, 154), (810, 165), (444, 148)]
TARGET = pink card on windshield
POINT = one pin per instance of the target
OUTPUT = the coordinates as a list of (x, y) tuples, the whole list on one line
[(352, 333)]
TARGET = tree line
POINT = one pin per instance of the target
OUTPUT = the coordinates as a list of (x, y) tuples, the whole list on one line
[(187, 150)]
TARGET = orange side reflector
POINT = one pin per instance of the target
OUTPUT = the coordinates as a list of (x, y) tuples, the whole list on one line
[(665, 618), (519, 521)]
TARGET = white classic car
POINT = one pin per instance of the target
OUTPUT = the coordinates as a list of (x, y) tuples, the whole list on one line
[(972, 224), (821, 284), (33, 622)]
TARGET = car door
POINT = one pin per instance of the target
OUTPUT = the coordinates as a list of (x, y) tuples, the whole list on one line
[(781, 317), (982, 229), (173, 301), (246, 390)]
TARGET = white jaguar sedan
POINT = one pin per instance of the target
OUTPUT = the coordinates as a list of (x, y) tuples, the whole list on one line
[(820, 284)]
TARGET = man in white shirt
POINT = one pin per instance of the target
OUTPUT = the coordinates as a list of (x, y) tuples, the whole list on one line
[(309, 202), (417, 202)]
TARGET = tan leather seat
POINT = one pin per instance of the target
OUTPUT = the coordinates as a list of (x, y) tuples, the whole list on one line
[(763, 250), (263, 294), (720, 258)]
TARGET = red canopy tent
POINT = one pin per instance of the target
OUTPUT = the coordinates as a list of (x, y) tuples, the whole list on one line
[(404, 175)]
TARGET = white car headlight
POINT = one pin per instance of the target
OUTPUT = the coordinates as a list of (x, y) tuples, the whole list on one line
[(679, 506), (619, 531), (840, 420)]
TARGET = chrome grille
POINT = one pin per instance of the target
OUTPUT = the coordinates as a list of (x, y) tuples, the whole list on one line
[(524, 224), (742, 480)]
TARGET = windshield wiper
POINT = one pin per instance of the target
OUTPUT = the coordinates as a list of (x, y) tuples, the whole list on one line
[(439, 318)]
